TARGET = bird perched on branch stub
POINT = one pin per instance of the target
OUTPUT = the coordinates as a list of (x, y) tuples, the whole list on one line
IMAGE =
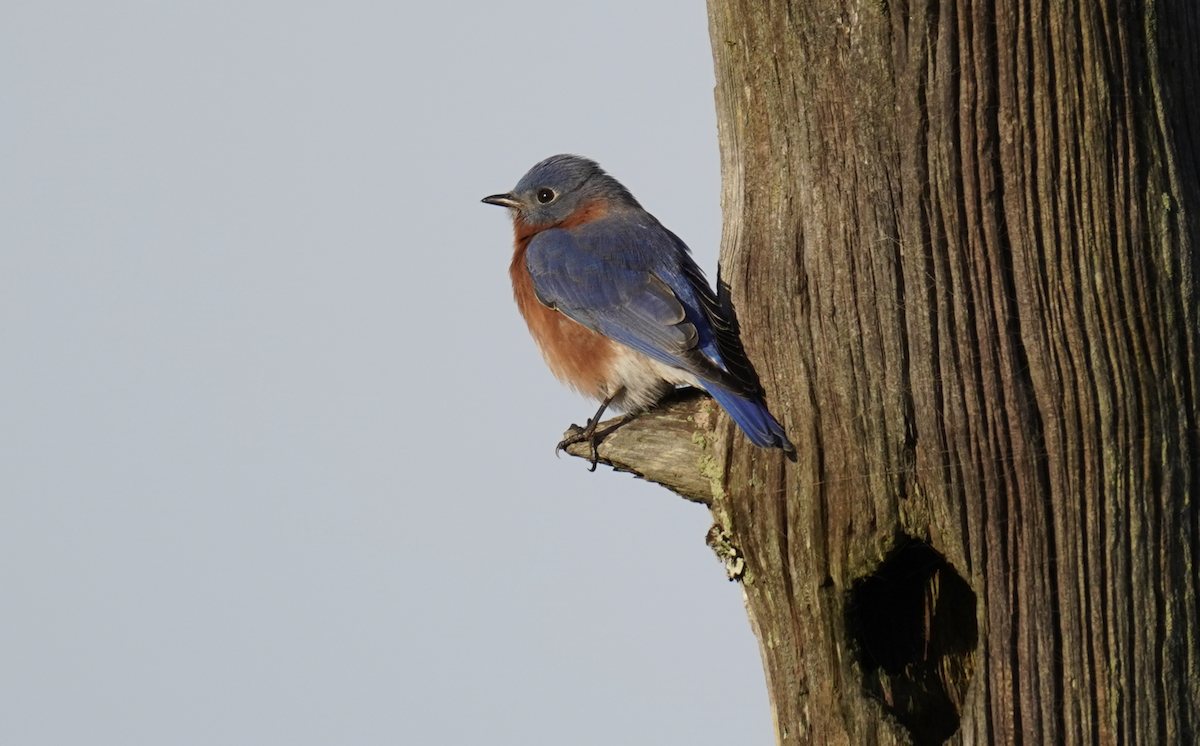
[(617, 305)]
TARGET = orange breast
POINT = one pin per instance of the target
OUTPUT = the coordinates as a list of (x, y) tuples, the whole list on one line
[(577, 355)]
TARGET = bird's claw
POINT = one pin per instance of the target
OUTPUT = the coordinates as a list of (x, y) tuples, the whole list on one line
[(573, 433), (577, 434)]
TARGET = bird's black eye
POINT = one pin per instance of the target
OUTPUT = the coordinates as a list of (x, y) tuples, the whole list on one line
[(545, 195)]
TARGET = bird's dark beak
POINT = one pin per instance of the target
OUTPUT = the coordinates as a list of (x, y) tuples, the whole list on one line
[(504, 200)]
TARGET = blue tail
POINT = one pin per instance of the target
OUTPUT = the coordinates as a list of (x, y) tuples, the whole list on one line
[(752, 417)]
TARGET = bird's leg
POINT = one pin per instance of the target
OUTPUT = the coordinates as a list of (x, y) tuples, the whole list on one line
[(578, 434)]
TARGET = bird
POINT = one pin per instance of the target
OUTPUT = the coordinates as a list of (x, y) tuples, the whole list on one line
[(618, 307)]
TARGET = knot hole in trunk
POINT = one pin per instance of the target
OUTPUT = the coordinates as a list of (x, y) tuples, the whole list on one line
[(913, 622)]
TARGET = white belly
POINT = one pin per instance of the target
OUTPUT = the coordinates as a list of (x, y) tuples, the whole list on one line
[(645, 381)]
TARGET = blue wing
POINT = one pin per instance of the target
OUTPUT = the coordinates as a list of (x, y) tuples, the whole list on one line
[(630, 279)]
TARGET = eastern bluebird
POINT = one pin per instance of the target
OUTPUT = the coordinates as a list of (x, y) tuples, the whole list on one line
[(616, 303)]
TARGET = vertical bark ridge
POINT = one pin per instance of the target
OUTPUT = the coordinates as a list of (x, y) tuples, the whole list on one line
[(960, 239)]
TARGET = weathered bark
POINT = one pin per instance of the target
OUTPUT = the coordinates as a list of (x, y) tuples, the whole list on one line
[(669, 446), (962, 241)]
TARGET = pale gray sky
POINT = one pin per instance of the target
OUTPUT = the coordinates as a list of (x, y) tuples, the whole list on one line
[(276, 451)]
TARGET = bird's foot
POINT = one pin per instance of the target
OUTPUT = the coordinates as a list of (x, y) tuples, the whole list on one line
[(577, 434)]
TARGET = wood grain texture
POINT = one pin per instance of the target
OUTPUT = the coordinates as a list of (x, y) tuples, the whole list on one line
[(669, 445), (961, 239)]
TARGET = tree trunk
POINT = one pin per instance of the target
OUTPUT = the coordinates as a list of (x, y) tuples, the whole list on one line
[(961, 238)]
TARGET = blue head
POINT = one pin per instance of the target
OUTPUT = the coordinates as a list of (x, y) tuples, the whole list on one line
[(558, 187)]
